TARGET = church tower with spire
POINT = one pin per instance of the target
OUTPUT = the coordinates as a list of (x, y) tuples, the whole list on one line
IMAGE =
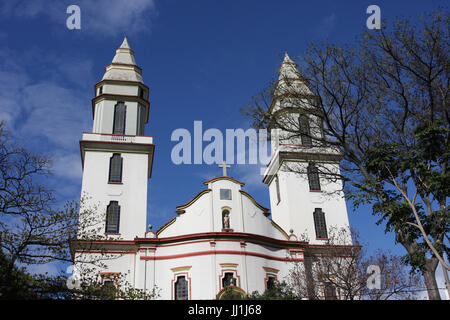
[(221, 241), (116, 156), (302, 201)]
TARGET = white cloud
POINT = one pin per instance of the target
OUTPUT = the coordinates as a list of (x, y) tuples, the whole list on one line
[(55, 113), (68, 166), (99, 17), (117, 16)]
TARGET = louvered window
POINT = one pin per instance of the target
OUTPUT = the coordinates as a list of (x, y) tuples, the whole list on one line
[(112, 217), (313, 177), (305, 132), (115, 168), (320, 224), (330, 291), (140, 120), (120, 111)]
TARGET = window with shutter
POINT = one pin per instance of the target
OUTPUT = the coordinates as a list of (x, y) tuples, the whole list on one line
[(330, 291), (181, 288), (313, 177), (112, 217), (320, 224), (120, 110), (305, 132), (115, 168), (140, 126)]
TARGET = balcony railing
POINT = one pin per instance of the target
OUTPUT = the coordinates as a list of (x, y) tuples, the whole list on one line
[(107, 137)]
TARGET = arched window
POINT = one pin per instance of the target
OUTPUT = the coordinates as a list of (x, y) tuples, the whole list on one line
[(115, 168), (313, 177), (305, 132), (120, 111), (228, 280), (181, 288), (320, 224), (112, 217)]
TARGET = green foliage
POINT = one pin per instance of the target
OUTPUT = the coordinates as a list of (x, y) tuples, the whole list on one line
[(279, 291), (14, 282)]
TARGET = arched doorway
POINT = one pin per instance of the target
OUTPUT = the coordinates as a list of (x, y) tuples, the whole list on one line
[(231, 293)]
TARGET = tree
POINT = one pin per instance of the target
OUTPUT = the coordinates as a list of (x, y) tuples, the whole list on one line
[(342, 273), (382, 104), (279, 291)]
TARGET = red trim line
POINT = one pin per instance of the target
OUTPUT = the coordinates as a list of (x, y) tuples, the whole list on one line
[(224, 178), (215, 252), (315, 153)]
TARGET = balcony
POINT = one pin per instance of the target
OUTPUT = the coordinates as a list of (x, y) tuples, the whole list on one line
[(117, 138), (117, 143)]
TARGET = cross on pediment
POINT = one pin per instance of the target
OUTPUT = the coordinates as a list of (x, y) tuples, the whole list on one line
[(224, 167)]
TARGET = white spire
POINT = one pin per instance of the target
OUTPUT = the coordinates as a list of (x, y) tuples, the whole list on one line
[(290, 80), (125, 44), (288, 69), (287, 59), (123, 66)]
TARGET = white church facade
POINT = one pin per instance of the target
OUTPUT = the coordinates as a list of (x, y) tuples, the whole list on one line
[(220, 238)]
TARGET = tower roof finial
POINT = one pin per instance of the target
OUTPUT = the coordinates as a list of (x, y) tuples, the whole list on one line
[(287, 59), (125, 44)]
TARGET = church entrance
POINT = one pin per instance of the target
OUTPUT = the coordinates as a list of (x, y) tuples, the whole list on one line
[(231, 293)]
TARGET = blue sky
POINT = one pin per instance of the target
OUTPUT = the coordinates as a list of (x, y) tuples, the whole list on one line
[(203, 60)]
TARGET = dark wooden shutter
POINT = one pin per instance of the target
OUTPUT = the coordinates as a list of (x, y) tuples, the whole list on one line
[(305, 132), (140, 125), (313, 177), (112, 217), (320, 224), (115, 168), (181, 289), (330, 291), (119, 118)]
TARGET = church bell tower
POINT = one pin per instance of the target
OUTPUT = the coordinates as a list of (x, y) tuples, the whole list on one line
[(116, 156), (302, 202)]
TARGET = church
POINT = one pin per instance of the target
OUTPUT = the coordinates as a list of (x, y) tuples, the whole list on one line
[(221, 237)]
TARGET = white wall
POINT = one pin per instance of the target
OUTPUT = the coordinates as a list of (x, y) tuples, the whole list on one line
[(131, 194)]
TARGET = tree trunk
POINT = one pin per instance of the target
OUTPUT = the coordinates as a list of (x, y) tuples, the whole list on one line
[(429, 271), (429, 276)]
